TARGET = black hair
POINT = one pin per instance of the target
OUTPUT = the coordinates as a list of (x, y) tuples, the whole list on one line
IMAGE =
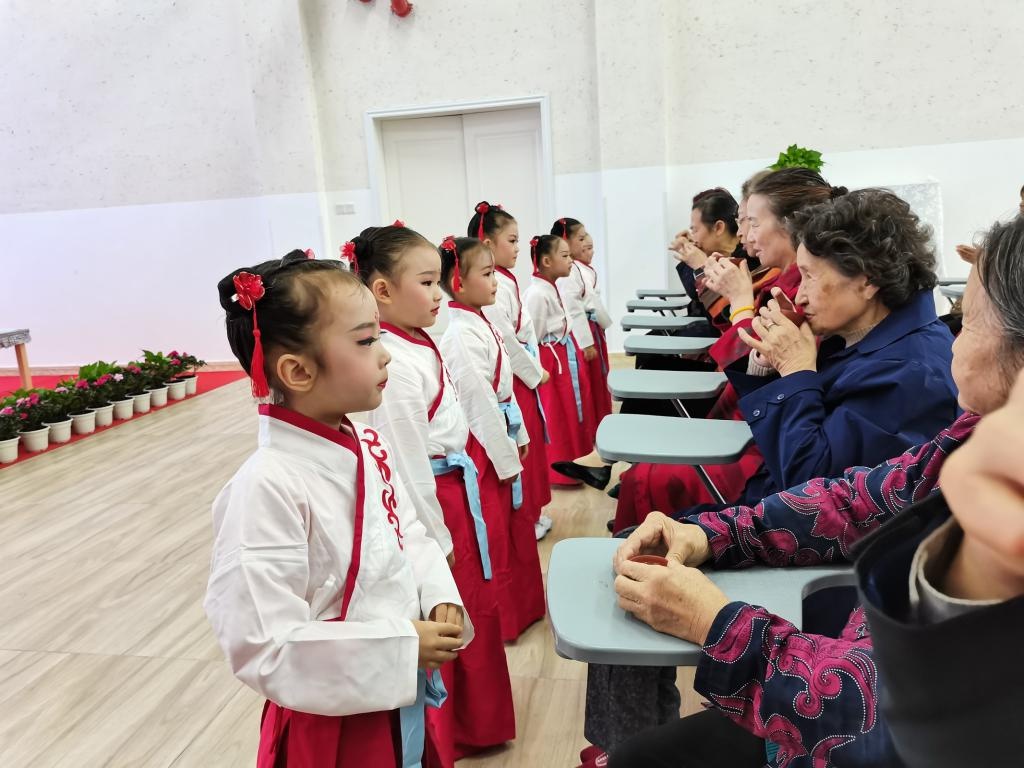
[(716, 205), (467, 248), (494, 220), (874, 233), (288, 312), (565, 227), (541, 246), (1000, 266), (379, 249)]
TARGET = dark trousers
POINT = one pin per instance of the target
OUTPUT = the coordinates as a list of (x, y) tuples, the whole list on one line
[(705, 740)]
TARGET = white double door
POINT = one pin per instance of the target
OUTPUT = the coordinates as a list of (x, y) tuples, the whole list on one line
[(438, 168)]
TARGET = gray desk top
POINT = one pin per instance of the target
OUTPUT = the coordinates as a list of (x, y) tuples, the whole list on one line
[(665, 385), (952, 291), (588, 624), (656, 344), (658, 322), (656, 304), (661, 293), (669, 440)]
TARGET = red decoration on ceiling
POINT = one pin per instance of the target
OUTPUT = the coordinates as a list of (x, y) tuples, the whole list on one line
[(400, 8)]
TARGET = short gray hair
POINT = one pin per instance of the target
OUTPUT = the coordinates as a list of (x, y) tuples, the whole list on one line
[(1001, 271)]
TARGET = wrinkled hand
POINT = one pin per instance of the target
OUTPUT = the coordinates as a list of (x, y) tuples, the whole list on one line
[(659, 534), (685, 250), (968, 253), (676, 600), (438, 643), (786, 347), (731, 281), (983, 481)]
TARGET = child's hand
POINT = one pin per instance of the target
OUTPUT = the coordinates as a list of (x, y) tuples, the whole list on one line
[(438, 643), (523, 451), (451, 559), (448, 613), (545, 377), (589, 353), (508, 480)]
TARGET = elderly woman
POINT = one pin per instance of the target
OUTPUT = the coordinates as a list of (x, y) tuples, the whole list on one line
[(866, 269), (814, 697)]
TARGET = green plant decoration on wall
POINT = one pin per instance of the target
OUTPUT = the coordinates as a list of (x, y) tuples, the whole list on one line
[(799, 157)]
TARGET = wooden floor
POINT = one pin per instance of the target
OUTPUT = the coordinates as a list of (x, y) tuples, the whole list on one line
[(106, 658)]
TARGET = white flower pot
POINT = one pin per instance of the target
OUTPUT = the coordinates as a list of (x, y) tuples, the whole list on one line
[(190, 384), (123, 409), (158, 397), (9, 450), (142, 402), (60, 432), (176, 389), (83, 423), (36, 440), (104, 415)]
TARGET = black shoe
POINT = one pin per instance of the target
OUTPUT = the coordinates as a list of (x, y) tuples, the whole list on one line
[(595, 477), (614, 492)]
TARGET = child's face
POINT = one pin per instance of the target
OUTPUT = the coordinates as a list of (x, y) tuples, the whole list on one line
[(587, 254), (576, 241), (350, 372), (413, 295), (505, 245), (479, 285), (559, 264)]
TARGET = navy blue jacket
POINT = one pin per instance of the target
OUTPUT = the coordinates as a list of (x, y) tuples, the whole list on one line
[(863, 405)]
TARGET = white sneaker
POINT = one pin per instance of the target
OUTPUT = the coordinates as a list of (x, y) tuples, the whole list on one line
[(542, 526)]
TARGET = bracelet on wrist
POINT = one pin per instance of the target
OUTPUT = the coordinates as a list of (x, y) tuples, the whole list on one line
[(740, 311)]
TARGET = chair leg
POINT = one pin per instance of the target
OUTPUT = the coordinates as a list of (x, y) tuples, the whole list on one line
[(23, 369)]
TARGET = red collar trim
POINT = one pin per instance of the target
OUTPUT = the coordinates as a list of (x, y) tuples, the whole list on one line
[(547, 280), (394, 329), (336, 436), (464, 307), (507, 273)]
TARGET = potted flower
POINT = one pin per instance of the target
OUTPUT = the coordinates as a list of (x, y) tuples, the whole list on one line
[(79, 397), (56, 405), (178, 385), (116, 389), (34, 433), (100, 375), (156, 369), (191, 365), (137, 383), (10, 424)]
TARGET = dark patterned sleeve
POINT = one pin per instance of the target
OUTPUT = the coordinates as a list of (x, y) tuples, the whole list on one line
[(819, 521), (809, 694)]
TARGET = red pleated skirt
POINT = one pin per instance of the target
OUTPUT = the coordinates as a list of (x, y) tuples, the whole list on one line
[(520, 583), (571, 437), (536, 488), (479, 712)]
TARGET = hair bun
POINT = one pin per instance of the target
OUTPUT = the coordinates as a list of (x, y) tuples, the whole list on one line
[(482, 207), (835, 192)]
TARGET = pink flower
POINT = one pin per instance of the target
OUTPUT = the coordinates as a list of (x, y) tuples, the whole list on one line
[(33, 399), (8, 411), (81, 384), (175, 361), (24, 417), (102, 380), (118, 377), (173, 354), (61, 390)]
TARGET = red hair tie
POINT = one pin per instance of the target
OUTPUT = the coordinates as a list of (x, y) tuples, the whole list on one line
[(565, 229), (534, 242), (398, 223), (348, 252), (482, 209), (448, 244), (310, 254), (249, 289)]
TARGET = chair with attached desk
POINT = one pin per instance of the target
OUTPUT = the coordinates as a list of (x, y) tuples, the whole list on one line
[(661, 306), (661, 293), (665, 324), (656, 344)]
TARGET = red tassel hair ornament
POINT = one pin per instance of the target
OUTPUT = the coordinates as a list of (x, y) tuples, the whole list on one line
[(348, 252), (249, 290), (448, 244)]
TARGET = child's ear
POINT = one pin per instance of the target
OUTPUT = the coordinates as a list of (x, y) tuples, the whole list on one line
[(295, 372), (382, 290)]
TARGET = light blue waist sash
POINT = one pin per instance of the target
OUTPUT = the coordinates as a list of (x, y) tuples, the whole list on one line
[(430, 692), (514, 419), (461, 460), (574, 369)]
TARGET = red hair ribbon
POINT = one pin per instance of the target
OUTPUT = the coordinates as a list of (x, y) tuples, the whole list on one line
[(482, 209), (534, 242), (310, 254), (348, 252), (249, 289), (398, 223), (565, 229), (448, 244)]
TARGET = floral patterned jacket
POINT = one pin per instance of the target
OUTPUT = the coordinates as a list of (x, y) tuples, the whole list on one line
[(813, 696)]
